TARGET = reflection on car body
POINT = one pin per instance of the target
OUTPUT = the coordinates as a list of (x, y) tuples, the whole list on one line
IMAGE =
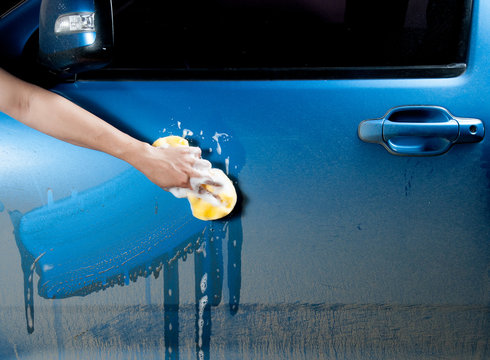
[(342, 249), (98, 240)]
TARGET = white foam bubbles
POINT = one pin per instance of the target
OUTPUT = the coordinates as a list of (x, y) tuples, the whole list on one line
[(216, 137), (204, 283)]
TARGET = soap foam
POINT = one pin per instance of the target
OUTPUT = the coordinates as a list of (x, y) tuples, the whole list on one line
[(208, 175), (216, 137), (208, 186)]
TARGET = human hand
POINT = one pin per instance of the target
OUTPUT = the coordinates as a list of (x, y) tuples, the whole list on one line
[(45, 111), (167, 167)]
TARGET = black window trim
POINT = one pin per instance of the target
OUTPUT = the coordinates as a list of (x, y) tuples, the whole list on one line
[(337, 73), (12, 8)]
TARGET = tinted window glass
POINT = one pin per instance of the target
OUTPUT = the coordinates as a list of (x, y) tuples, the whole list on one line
[(289, 34)]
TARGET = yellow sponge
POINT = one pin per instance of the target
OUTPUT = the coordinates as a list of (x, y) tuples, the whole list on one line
[(171, 140), (208, 202)]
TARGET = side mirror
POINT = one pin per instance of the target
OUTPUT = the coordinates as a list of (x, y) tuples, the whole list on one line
[(75, 35)]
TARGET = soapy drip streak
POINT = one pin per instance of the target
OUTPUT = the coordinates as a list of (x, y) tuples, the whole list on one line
[(133, 257), (114, 259), (185, 251), (109, 283), (33, 266), (136, 248), (104, 271)]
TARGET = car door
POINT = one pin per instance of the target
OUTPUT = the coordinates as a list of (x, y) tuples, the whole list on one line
[(355, 137)]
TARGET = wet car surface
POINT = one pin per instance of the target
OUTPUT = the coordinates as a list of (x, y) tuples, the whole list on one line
[(338, 249)]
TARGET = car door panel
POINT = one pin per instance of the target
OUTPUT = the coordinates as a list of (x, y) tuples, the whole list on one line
[(338, 248)]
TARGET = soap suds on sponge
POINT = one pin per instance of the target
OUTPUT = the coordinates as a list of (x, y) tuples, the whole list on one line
[(212, 194)]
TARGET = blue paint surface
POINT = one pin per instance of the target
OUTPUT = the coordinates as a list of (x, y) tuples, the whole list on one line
[(105, 235), (335, 241), (19, 31)]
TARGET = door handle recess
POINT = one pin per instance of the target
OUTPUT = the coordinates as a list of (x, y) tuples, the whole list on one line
[(420, 130)]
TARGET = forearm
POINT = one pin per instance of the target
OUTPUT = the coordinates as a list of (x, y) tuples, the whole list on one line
[(62, 119), (75, 125)]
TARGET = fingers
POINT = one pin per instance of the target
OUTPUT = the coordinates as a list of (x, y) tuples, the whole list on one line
[(202, 165), (213, 183), (200, 170), (192, 156), (194, 150), (184, 168)]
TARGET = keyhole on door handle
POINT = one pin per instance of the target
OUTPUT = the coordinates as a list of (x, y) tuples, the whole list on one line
[(420, 130)]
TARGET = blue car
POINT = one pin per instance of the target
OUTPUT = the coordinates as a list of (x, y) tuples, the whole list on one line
[(353, 131)]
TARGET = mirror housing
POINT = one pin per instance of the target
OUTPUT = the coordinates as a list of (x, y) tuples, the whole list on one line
[(75, 35)]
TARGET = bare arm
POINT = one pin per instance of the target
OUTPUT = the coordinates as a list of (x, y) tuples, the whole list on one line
[(56, 116)]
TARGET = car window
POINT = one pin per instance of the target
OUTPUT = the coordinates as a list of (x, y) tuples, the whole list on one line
[(292, 36)]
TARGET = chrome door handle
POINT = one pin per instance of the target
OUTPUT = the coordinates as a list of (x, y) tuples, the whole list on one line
[(420, 130)]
